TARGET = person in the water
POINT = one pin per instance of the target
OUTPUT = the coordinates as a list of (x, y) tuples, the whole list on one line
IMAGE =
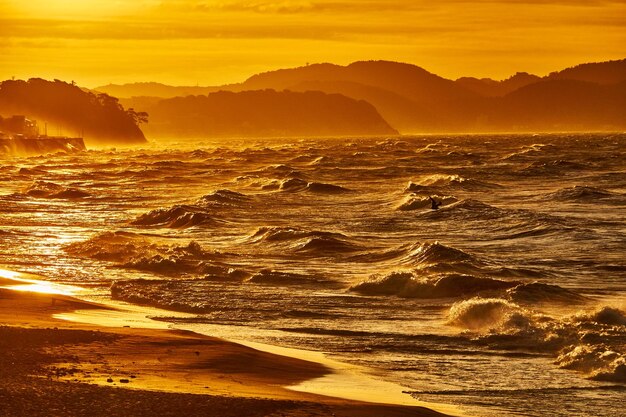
[(434, 204)]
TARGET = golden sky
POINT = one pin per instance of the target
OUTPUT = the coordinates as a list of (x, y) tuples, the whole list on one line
[(208, 42)]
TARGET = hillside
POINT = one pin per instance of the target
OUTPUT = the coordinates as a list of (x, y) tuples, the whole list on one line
[(562, 105), (152, 89), (492, 88), (265, 113), (609, 72), (67, 109), (413, 100)]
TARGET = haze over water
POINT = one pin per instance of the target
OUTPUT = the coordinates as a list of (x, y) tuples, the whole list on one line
[(503, 300)]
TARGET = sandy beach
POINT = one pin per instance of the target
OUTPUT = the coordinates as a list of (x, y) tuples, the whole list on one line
[(50, 366)]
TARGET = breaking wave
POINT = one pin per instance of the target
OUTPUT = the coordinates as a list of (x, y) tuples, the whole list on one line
[(593, 343)]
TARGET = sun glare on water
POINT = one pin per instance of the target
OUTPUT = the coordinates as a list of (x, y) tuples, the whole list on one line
[(30, 285)]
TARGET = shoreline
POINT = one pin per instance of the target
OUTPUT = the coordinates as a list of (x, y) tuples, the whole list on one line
[(75, 357)]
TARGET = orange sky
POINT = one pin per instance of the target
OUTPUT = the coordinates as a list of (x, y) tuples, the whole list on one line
[(208, 42)]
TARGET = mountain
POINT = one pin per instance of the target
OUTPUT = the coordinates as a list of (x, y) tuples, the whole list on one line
[(491, 88), (609, 72), (407, 80), (562, 104), (152, 89), (265, 113), (401, 112), (413, 100), (427, 102), (98, 117)]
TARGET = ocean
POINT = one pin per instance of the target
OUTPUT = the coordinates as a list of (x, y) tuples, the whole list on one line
[(508, 299)]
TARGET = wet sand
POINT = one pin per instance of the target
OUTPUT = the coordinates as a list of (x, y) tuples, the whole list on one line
[(50, 366)]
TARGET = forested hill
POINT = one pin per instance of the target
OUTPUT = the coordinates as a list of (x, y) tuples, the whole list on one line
[(72, 111), (265, 113)]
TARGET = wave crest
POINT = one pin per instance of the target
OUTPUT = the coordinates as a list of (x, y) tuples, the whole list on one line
[(407, 284), (44, 189), (176, 217)]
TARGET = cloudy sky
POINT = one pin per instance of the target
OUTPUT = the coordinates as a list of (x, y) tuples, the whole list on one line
[(207, 42)]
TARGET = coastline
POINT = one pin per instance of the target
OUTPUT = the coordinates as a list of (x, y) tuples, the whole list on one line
[(84, 368)]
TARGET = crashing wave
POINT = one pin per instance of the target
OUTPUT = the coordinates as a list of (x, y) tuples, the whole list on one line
[(480, 313), (599, 362), (593, 343)]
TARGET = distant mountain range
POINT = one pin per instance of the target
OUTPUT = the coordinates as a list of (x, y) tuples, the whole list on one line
[(412, 100)]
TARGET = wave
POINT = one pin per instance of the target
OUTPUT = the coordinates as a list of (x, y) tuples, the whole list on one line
[(479, 313), (468, 209), (112, 246), (278, 171), (529, 152), (506, 223), (408, 285), (554, 167), (297, 185), (437, 253), (310, 242), (31, 171), (269, 276), (177, 217), (224, 198), (599, 362), (590, 342), (130, 250), (445, 181), (580, 193), (282, 234), (326, 245), (417, 202), (538, 292), (44, 189)]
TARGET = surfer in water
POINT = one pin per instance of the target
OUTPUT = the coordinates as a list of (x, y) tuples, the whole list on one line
[(434, 204)]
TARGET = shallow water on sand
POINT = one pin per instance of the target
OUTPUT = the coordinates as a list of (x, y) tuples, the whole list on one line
[(506, 300)]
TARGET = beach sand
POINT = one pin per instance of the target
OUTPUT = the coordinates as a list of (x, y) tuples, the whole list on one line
[(55, 367)]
